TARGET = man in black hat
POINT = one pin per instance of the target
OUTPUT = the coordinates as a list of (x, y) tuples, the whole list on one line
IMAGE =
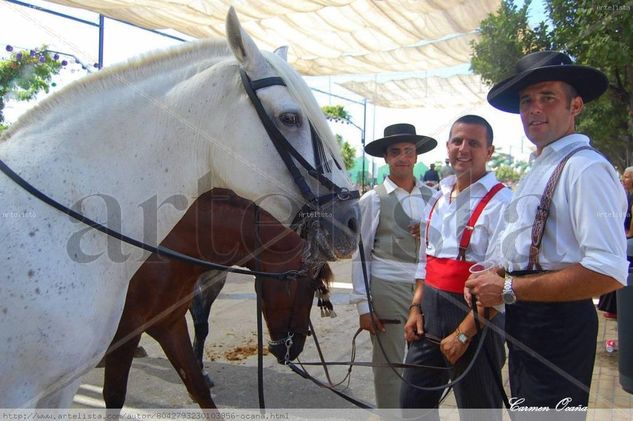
[(390, 217), (563, 243)]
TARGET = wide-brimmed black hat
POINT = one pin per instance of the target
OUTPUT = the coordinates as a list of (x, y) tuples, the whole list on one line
[(546, 66), (397, 133)]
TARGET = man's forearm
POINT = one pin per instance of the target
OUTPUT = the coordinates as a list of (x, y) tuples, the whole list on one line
[(572, 283)]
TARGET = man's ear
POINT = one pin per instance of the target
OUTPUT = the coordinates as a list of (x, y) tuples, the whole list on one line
[(491, 150), (577, 105)]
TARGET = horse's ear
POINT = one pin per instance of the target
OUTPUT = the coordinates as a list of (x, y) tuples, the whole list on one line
[(282, 52), (243, 46)]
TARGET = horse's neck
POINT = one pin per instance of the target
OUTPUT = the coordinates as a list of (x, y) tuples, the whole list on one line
[(96, 146), (280, 248), (221, 212)]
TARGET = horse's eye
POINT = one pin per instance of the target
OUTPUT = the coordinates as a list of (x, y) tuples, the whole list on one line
[(290, 119)]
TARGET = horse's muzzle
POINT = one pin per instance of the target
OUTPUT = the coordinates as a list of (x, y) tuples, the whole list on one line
[(287, 349), (338, 230)]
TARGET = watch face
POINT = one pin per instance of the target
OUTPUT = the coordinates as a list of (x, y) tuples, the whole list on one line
[(509, 297), (462, 338)]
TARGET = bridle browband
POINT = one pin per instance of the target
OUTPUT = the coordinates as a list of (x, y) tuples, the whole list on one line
[(290, 156)]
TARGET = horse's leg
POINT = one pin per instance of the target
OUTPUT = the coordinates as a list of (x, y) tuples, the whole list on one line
[(207, 289), (175, 341), (118, 361)]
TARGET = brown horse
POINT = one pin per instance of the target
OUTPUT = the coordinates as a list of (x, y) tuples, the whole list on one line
[(219, 227)]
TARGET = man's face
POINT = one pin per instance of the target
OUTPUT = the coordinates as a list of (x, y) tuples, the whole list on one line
[(401, 157), (627, 180), (468, 149), (547, 113)]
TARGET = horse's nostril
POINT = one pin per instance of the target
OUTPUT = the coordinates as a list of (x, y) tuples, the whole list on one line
[(352, 225)]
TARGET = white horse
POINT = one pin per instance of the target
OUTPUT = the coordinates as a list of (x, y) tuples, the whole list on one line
[(132, 147)]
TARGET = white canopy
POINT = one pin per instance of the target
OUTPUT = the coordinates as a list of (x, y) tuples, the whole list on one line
[(325, 37), (461, 91)]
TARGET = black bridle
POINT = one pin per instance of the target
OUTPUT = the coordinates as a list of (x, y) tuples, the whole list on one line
[(313, 202), (291, 157)]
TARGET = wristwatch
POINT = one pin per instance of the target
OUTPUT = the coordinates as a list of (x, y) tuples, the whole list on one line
[(508, 295), (462, 337)]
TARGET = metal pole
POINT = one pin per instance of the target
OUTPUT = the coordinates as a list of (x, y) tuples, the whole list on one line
[(101, 40), (362, 142), (52, 12)]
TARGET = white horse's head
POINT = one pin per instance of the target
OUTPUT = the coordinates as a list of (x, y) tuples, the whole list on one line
[(274, 144)]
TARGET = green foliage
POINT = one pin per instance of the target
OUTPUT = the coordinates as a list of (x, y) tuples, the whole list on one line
[(505, 173), (348, 152), (339, 113), (336, 112), (499, 158), (505, 37), (598, 34), (506, 168), (23, 75)]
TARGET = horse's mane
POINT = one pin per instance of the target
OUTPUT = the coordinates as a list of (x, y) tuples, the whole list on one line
[(178, 56), (309, 106), (325, 277), (207, 52)]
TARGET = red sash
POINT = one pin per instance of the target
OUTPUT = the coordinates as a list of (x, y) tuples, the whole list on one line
[(448, 274)]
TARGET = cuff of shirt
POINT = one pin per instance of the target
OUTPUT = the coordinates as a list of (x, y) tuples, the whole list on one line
[(609, 265), (362, 307), (420, 272)]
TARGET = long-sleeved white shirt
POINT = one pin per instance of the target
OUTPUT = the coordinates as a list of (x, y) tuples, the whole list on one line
[(413, 205), (586, 217)]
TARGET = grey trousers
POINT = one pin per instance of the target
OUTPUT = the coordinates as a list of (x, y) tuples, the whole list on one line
[(391, 301), (443, 312)]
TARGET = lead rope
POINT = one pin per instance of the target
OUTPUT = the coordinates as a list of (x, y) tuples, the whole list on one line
[(495, 375), (260, 329), (158, 250), (451, 383)]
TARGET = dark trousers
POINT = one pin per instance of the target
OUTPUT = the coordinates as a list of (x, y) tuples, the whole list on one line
[(552, 348), (443, 313)]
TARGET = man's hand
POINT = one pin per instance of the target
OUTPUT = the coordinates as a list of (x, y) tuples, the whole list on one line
[(452, 348), (488, 287), (414, 230), (414, 327), (468, 297), (365, 323)]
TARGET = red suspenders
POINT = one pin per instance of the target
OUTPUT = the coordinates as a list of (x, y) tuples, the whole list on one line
[(470, 226), (451, 274)]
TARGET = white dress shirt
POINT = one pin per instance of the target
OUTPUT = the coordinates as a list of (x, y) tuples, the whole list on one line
[(389, 270), (586, 217), (450, 217)]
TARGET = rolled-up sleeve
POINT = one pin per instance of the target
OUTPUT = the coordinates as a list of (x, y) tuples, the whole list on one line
[(598, 203)]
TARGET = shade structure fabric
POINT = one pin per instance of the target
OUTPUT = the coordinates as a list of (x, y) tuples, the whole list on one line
[(325, 37), (459, 91)]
